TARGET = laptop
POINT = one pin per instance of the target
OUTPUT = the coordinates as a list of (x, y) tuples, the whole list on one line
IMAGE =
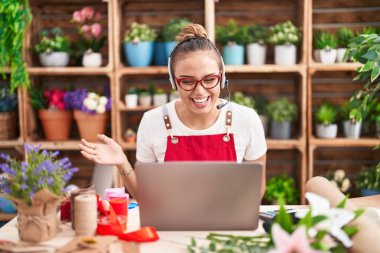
[(176, 196)]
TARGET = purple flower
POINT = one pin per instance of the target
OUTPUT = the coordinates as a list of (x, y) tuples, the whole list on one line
[(31, 194), (55, 153), (24, 166), (24, 187), (5, 157), (41, 181), (50, 181), (30, 147), (7, 169), (45, 153)]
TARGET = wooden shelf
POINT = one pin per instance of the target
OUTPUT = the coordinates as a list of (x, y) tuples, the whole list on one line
[(334, 67), (57, 145), (151, 70), (7, 216), (344, 142), (69, 71), (124, 108), (10, 143)]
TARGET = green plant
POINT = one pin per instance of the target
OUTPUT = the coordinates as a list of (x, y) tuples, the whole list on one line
[(133, 90), (282, 110), (36, 97), (257, 34), (260, 104), (241, 99), (369, 30), (160, 91), (324, 40), (326, 114), (344, 36), (8, 100), (369, 178), (284, 33), (144, 94), (375, 117), (15, 16), (173, 28), (230, 34), (139, 32), (52, 41), (282, 188)]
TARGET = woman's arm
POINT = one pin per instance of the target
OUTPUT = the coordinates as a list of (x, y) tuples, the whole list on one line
[(263, 160)]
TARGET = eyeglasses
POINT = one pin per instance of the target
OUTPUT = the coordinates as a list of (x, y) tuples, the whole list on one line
[(189, 84)]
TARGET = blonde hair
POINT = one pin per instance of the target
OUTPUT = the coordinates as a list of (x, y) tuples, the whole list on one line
[(191, 31)]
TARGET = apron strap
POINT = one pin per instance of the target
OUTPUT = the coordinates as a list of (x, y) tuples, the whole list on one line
[(226, 137), (168, 124)]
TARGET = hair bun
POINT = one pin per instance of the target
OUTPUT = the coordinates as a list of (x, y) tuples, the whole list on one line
[(191, 31)]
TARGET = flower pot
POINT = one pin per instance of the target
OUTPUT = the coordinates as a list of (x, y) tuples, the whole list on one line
[(160, 57), (6, 206), (352, 130), (90, 125), (317, 55), (340, 55), (169, 46), (256, 54), (56, 124), (54, 59), (233, 55), (328, 56), (160, 99), (145, 100), (131, 100), (280, 130), (8, 125), (264, 121), (327, 131), (91, 59), (369, 192), (139, 54), (285, 54)]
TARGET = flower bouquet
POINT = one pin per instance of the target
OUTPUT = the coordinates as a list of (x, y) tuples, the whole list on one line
[(90, 112), (91, 41), (36, 187), (53, 112)]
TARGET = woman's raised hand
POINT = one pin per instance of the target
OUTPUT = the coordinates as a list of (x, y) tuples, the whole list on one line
[(106, 152)]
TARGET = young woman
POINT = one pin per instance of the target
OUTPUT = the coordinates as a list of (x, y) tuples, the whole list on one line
[(199, 126)]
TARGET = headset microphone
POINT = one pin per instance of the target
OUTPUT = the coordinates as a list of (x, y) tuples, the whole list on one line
[(220, 106)]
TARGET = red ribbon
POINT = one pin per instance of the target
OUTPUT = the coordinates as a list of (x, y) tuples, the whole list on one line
[(145, 234)]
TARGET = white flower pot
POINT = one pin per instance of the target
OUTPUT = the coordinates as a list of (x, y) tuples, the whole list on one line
[(327, 131), (173, 96), (285, 54), (264, 121), (160, 99), (54, 59), (92, 60), (256, 54), (340, 55), (131, 100), (328, 56), (145, 100), (317, 55), (352, 130)]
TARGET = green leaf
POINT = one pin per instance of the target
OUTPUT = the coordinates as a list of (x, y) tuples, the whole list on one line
[(368, 66), (342, 204), (375, 73), (370, 55), (358, 213), (284, 219), (193, 242), (212, 246), (350, 230)]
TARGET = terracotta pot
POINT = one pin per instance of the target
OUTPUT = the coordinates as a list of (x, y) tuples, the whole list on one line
[(7, 125), (90, 125), (56, 124)]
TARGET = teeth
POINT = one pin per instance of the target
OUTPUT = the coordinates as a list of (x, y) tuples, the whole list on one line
[(200, 101)]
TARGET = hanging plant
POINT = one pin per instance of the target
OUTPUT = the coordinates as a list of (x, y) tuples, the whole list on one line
[(15, 16)]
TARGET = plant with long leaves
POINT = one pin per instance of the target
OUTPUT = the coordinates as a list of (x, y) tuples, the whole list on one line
[(15, 16)]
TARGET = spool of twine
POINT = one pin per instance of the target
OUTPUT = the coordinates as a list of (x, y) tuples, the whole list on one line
[(85, 214), (73, 195)]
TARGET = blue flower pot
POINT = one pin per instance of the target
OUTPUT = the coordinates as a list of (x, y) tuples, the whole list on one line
[(160, 56), (6, 206), (140, 54), (169, 46), (233, 55), (368, 192)]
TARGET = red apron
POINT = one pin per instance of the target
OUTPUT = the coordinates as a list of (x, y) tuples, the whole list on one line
[(218, 147)]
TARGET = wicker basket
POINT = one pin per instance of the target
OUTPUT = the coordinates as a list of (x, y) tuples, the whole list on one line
[(7, 125)]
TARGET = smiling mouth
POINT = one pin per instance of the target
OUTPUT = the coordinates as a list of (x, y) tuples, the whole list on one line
[(200, 101)]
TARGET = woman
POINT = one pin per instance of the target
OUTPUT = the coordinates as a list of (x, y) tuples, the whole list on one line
[(199, 126)]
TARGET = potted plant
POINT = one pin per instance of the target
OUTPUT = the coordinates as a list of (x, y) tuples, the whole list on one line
[(145, 98), (90, 112), (160, 97), (260, 107), (344, 36), (326, 45), (352, 123), (169, 32), (160, 56), (241, 99), (257, 36), (326, 117), (53, 112), (130, 136), (36, 186), (368, 180), (281, 113), (138, 45), (53, 48), (339, 179), (91, 39), (8, 114), (281, 187), (232, 37), (131, 97), (285, 37)]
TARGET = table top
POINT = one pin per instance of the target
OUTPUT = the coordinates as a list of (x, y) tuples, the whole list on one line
[(170, 241)]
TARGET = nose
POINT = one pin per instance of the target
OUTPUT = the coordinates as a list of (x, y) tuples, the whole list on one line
[(199, 87)]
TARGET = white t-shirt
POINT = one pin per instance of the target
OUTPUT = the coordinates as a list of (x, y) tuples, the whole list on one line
[(246, 126)]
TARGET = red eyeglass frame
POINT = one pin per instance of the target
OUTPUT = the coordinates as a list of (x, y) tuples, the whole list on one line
[(178, 80)]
